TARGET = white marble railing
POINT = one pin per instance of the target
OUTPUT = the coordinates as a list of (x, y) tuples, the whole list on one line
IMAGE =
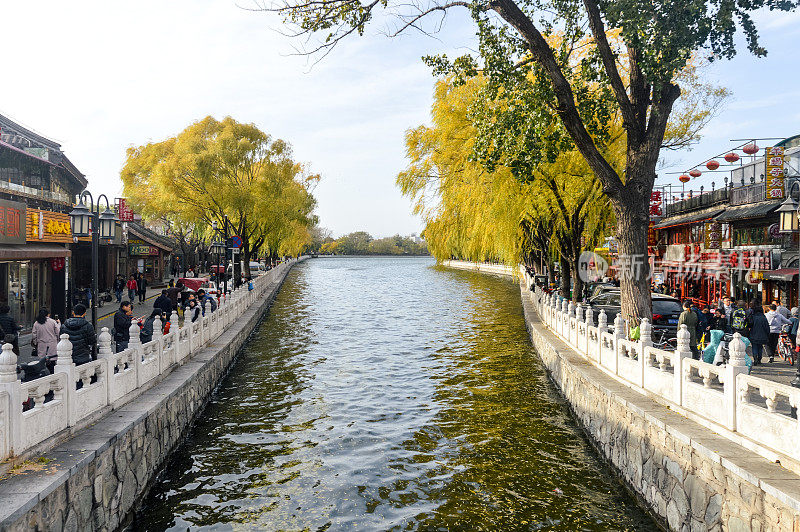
[(31, 412), (484, 267), (760, 411)]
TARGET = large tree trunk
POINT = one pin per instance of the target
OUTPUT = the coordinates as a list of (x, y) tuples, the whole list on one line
[(246, 259), (565, 277), (577, 283), (633, 267)]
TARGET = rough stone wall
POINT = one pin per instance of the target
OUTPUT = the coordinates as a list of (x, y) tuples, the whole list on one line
[(685, 474), (102, 472)]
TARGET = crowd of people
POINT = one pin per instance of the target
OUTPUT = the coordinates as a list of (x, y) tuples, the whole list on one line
[(761, 325)]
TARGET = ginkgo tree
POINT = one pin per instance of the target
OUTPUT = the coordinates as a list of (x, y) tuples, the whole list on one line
[(218, 169)]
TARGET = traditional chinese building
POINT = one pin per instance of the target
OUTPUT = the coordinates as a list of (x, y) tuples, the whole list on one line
[(37, 186)]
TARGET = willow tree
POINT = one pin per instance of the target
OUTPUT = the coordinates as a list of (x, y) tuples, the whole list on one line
[(215, 170), (640, 76)]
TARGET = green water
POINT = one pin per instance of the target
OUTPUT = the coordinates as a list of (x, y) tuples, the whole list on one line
[(388, 394)]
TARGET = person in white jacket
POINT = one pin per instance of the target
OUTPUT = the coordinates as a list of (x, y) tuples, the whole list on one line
[(776, 320), (45, 334)]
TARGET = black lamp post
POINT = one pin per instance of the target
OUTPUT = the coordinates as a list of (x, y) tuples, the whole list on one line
[(788, 223), (222, 247), (89, 221)]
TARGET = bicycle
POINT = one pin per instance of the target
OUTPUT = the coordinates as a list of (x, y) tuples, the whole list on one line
[(667, 344), (785, 348)]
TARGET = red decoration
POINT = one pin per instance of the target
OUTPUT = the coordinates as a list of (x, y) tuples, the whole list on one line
[(695, 172), (732, 157), (712, 165), (751, 149), (57, 264), (684, 178)]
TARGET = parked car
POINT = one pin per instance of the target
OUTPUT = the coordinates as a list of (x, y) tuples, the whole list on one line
[(595, 289), (666, 311)]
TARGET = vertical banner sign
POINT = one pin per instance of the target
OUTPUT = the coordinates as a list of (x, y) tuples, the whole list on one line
[(12, 222), (652, 241), (124, 211), (712, 235), (774, 172), (656, 211)]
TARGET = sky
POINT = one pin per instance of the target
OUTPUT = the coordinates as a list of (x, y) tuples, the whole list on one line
[(101, 76)]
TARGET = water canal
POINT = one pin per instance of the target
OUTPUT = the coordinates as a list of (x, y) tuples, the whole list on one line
[(388, 394)]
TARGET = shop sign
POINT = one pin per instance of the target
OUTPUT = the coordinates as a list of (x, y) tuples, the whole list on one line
[(774, 172), (46, 226), (12, 222), (124, 212), (140, 247), (712, 235), (652, 241), (656, 208)]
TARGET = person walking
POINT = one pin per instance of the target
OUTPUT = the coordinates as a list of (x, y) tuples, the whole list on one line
[(782, 310), (119, 286), (174, 295), (689, 318), (163, 303), (132, 288), (81, 335), (122, 324), (759, 333), (141, 287), (45, 334), (739, 319), (9, 328), (776, 321)]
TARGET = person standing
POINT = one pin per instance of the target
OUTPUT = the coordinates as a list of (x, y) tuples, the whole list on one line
[(759, 333), (132, 288), (147, 329), (9, 328), (122, 324), (81, 335), (119, 286), (163, 303), (45, 334), (776, 321), (689, 318), (174, 294), (192, 311), (739, 319), (141, 287), (782, 310)]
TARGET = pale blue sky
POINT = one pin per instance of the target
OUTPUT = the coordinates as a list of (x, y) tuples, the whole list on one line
[(100, 76)]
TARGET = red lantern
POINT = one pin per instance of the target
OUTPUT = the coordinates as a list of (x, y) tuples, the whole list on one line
[(684, 178), (695, 172), (732, 157), (751, 149), (712, 165)]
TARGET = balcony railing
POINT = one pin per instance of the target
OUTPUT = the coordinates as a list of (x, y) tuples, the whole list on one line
[(31, 192), (698, 201)]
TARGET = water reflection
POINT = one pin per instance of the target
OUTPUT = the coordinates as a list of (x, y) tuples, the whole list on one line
[(388, 394)]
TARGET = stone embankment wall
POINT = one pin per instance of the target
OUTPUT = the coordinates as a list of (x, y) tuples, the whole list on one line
[(685, 473), (94, 480)]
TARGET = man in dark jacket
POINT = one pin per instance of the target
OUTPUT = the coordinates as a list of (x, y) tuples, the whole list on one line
[(122, 324), (689, 318), (759, 332), (163, 303), (119, 286), (174, 294), (202, 297), (9, 327), (81, 335)]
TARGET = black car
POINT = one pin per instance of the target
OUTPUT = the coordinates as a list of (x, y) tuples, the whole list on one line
[(666, 311)]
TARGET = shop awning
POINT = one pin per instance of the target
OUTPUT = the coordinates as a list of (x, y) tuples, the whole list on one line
[(746, 212), (33, 251), (690, 217), (784, 274)]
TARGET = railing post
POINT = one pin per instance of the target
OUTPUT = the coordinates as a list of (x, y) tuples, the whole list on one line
[(135, 345), (684, 350), (158, 336), (619, 334), (64, 364), (645, 341), (11, 385), (589, 323), (736, 366), (104, 352)]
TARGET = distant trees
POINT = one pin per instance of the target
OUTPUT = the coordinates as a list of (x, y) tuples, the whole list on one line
[(362, 243)]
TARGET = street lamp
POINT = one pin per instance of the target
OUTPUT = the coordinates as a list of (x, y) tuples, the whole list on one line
[(222, 247), (88, 221), (788, 223)]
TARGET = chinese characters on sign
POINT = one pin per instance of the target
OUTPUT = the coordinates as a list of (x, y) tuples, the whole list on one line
[(12, 222), (712, 235), (774, 172), (656, 210), (46, 226), (125, 212)]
